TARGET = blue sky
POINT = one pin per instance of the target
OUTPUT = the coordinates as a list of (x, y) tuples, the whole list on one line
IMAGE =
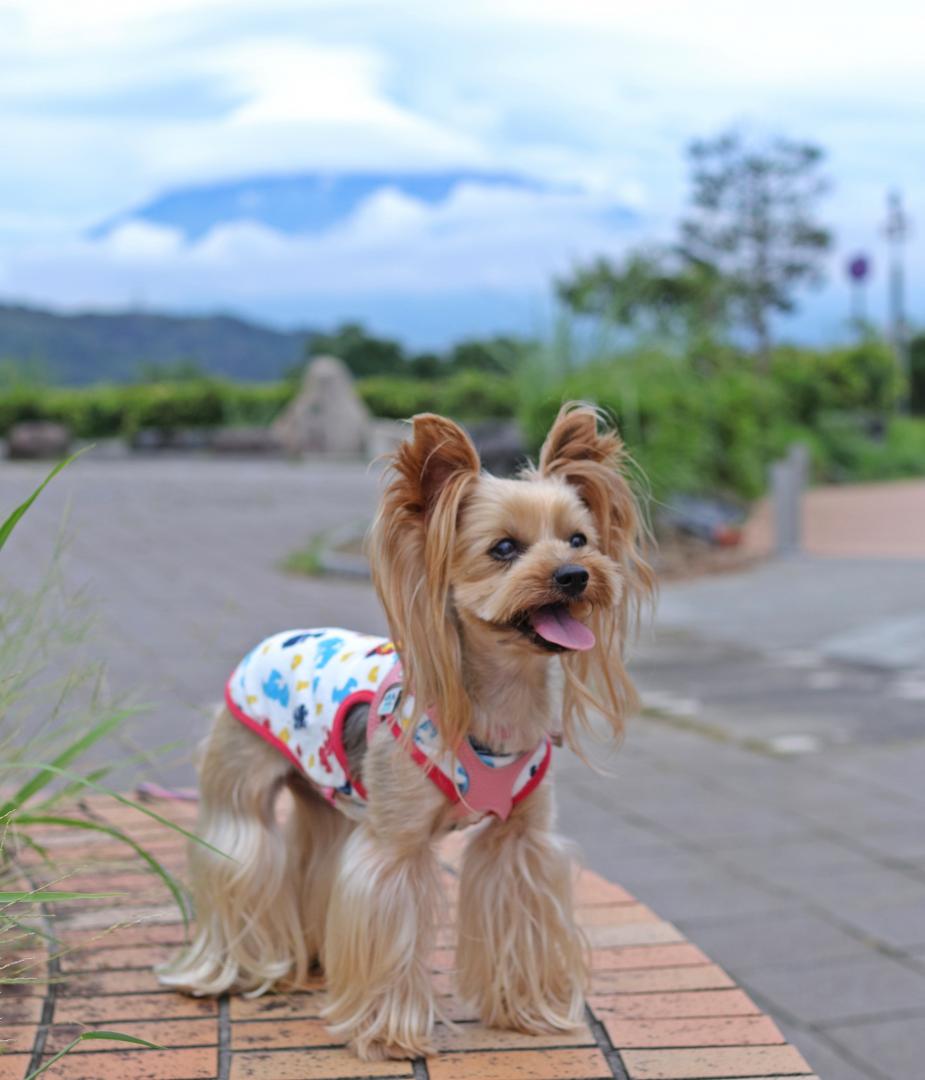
[(105, 107)]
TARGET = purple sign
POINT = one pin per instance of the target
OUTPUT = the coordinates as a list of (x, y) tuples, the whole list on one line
[(858, 267)]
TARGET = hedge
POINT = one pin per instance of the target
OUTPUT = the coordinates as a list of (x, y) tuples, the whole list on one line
[(689, 431)]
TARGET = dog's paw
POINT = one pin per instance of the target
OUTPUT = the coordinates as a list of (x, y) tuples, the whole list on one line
[(390, 1050)]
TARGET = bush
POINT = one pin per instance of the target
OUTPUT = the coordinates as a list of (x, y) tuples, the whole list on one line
[(917, 375), (864, 378), (468, 395)]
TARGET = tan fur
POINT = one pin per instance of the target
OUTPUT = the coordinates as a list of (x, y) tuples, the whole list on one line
[(363, 898)]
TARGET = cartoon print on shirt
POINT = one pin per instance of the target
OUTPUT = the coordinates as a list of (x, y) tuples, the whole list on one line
[(275, 689)]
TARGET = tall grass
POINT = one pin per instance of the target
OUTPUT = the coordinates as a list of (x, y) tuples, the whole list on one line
[(49, 724)]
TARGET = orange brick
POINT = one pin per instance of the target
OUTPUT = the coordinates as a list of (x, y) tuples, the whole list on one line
[(615, 914), (591, 888), (19, 1009), (751, 1061), (321, 1065), (195, 1064), (696, 977), (118, 936), (131, 956), (681, 1005), (169, 1033), (664, 1034), (94, 984), (102, 1010), (521, 1065), (277, 1006), (16, 1039), (13, 1066), (271, 1035), (635, 933), (646, 956), (478, 1037)]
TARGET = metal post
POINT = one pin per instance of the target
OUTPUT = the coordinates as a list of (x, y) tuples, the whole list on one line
[(789, 478), (897, 229)]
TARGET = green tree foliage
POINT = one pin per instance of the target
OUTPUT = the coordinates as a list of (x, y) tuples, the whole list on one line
[(753, 221), (917, 375), (363, 353), (654, 295)]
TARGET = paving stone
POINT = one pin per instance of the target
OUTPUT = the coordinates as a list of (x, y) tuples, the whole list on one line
[(794, 939), (699, 1064), (891, 1047), (578, 1064), (193, 1064), (667, 1033), (899, 926), (323, 1065), (873, 986)]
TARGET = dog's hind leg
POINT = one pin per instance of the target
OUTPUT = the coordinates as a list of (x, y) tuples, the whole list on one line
[(249, 934), (315, 835)]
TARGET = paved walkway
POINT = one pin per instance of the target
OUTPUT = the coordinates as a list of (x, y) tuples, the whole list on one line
[(855, 521), (770, 802), (657, 1008)]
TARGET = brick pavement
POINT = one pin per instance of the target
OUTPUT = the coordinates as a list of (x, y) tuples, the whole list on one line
[(658, 1009), (771, 804)]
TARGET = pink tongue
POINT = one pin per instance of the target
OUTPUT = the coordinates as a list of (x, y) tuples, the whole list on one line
[(554, 624)]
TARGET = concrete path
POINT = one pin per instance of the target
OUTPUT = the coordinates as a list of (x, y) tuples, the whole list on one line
[(771, 801)]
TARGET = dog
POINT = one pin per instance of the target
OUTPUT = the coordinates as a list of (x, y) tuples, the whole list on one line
[(388, 745)]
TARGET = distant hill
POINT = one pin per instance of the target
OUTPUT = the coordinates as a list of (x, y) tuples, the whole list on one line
[(92, 347), (300, 203)]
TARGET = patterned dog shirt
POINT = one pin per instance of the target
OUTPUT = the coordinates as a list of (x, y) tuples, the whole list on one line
[(296, 689)]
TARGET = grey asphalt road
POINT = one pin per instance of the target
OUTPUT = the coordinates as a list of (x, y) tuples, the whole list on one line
[(771, 801)]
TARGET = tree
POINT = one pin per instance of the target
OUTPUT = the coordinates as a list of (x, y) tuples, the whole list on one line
[(363, 353), (753, 222), (652, 293)]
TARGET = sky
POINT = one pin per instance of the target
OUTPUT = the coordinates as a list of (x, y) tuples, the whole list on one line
[(104, 107)]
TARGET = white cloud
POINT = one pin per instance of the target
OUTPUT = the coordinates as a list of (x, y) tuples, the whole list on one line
[(104, 106)]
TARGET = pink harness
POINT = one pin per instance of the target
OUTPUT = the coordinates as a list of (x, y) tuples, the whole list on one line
[(297, 688), (477, 786)]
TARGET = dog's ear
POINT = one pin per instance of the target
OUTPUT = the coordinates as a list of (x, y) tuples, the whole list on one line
[(411, 549), (437, 458), (592, 461), (588, 455)]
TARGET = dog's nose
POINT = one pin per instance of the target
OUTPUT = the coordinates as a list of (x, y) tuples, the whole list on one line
[(571, 579)]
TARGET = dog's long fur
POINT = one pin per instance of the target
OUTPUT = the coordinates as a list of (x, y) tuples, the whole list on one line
[(361, 896)]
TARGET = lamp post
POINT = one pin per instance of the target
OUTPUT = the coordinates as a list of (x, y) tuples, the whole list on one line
[(897, 230)]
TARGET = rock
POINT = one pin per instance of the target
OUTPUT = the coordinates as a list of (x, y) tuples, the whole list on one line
[(38, 439), (327, 415)]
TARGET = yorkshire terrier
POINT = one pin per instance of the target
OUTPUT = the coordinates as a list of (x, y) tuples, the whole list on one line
[(385, 748)]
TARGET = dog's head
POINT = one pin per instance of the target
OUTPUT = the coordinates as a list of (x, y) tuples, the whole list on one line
[(545, 564)]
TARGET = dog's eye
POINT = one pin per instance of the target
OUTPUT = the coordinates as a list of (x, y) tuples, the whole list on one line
[(505, 550), (577, 540)]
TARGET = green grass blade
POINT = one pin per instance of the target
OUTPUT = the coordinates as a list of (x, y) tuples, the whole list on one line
[(38, 896), (13, 520), (87, 1036), (119, 798), (47, 773), (76, 823)]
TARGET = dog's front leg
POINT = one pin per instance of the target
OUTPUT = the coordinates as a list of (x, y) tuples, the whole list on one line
[(520, 955), (383, 911)]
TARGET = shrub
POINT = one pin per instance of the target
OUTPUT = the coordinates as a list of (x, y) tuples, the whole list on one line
[(863, 377)]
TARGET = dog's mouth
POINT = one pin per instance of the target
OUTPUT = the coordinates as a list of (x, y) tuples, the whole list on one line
[(553, 627)]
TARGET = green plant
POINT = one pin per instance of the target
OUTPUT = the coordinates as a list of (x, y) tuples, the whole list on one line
[(45, 733)]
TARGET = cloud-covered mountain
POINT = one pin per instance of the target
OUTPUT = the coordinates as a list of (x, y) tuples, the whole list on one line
[(311, 202)]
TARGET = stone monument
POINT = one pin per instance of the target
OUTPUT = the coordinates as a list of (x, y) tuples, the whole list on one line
[(327, 415)]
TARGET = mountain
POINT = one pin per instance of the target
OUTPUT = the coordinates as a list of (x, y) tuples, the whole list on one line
[(301, 203), (93, 347)]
